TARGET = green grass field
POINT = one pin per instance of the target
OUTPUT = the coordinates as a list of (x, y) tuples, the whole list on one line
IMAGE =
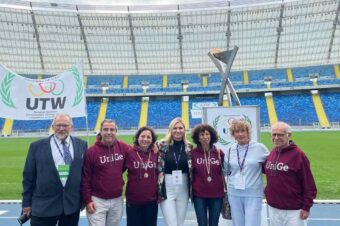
[(322, 149)]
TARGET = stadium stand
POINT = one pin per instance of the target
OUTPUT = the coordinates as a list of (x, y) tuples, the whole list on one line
[(258, 101), (332, 106), (276, 74), (214, 78), (323, 71), (92, 111), (95, 90), (326, 76), (125, 112), (178, 78), (97, 80), (162, 110), (79, 124), (296, 109), (31, 125), (2, 120), (328, 81), (153, 80)]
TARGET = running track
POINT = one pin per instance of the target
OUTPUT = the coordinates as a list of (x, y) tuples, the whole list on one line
[(323, 213)]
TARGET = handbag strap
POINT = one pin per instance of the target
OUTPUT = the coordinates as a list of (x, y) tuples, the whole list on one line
[(228, 170), (223, 178)]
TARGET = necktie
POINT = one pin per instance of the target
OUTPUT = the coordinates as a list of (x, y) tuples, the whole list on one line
[(67, 153)]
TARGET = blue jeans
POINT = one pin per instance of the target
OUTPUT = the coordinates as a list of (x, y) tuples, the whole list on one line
[(205, 206)]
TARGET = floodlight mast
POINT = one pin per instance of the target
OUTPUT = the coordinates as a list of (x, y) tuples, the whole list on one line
[(220, 58)]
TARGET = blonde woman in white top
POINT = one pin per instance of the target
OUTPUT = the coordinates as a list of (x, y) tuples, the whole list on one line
[(245, 185)]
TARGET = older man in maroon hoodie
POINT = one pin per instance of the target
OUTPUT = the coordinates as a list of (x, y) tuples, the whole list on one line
[(290, 185), (102, 183)]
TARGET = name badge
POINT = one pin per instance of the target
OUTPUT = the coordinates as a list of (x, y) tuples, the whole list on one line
[(177, 176), (63, 171), (240, 182)]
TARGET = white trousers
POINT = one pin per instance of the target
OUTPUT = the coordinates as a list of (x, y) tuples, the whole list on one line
[(245, 211), (174, 208), (285, 217), (108, 212)]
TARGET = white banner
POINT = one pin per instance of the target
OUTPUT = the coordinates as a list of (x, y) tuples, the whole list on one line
[(32, 99), (221, 119)]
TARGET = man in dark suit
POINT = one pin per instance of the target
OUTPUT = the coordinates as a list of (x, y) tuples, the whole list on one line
[(52, 177)]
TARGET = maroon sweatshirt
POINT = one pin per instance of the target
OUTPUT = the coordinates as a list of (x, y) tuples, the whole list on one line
[(142, 177), (290, 183), (103, 170), (201, 187)]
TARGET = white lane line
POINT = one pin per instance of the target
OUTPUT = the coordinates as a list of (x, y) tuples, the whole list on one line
[(323, 219), (83, 215)]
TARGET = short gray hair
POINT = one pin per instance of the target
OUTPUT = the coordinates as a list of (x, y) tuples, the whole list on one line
[(62, 115), (284, 125)]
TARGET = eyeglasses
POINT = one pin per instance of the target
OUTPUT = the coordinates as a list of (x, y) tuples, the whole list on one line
[(279, 134), (109, 129), (62, 125)]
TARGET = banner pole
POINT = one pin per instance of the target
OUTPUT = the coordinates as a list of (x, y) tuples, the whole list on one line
[(86, 115)]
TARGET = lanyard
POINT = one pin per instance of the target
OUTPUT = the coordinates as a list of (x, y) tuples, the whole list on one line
[(60, 152), (179, 155), (207, 162), (241, 165), (147, 163), (146, 175)]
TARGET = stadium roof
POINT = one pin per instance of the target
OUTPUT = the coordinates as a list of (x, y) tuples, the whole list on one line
[(44, 37)]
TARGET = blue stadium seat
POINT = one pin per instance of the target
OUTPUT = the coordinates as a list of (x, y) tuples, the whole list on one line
[(329, 82), (97, 80), (125, 112), (163, 110), (250, 86), (214, 78), (176, 79), (93, 90), (304, 72), (2, 121), (79, 124), (295, 109), (259, 75), (31, 125), (154, 80), (291, 84), (257, 101), (331, 103), (93, 106), (235, 76)]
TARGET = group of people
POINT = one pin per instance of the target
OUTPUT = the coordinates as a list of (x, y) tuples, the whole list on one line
[(62, 175)]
